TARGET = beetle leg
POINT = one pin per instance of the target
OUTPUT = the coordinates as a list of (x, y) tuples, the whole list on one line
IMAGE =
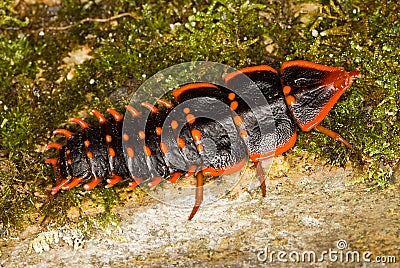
[(261, 176), (335, 136), (199, 194)]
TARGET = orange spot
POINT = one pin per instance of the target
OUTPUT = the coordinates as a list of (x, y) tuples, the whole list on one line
[(89, 155), (174, 124), (286, 90), (190, 118), (196, 134), (238, 120), (130, 152), (163, 147), (199, 147), (231, 96), (86, 143), (69, 161), (125, 137), (234, 105), (141, 135), (186, 110), (68, 152), (290, 100), (111, 152), (147, 150), (181, 142), (158, 131), (108, 138), (243, 133)]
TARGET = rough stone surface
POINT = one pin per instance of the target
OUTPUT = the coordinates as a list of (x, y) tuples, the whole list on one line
[(308, 208)]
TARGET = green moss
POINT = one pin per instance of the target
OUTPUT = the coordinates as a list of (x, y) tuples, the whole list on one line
[(360, 34), (36, 97)]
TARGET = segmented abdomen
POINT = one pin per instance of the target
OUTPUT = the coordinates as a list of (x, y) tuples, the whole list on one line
[(211, 129)]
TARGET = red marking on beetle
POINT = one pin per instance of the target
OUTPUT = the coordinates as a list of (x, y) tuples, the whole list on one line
[(165, 103), (59, 186), (133, 112), (251, 69), (117, 116), (80, 122), (141, 134), (174, 124), (163, 147), (156, 181), (111, 152), (231, 96), (89, 155), (74, 182), (100, 117), (174, 177), (290, 100), (54, 146), (199, 148), (135, 183), (196, 134), (234, 105), (192, 169), (147, 150), (125, 137), (153, 109), (178, 92), (286, 90), (243, 133), (238, 120), (130, 152), (52, 161), (186, 110), (158, 131), (208, 171), (108, 138), (86, 143), (113, 180), (93, 183), (66, 133), (181, 142), (190, 118)]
